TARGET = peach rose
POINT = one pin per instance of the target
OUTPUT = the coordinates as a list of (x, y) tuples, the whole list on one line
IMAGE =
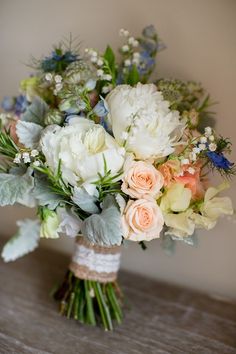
[(142, 180), (168, 170), (142, 220), (192, 181)]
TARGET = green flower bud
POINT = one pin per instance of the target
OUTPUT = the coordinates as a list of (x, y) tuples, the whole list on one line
[(54, 117), (50, 224)]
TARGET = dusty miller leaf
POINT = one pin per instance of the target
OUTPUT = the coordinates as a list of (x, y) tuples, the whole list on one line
[(25, 240), (29, 134), (168, 244), (43, 193), (13, 187), (85, 201), (36, 112), (105, 228)]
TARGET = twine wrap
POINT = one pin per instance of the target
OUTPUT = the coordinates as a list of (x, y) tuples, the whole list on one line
[(94, 262)]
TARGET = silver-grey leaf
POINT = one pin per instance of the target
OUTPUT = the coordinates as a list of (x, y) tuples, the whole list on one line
[(29, 134), (13, 187), (25, 240), (85, 201), (43, 193), (105, 228), (36, 112)]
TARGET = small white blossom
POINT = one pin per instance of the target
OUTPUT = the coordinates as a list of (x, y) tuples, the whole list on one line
[(136, 55), (125, 48), (100, 72), (17, 158), (202, 146), (131, 40), (203, 140), (212, 147), (127, 62), (100, 62), (123, 32), (58, 87), (48, 77), (208, 131), (58, 79), (192, 156), (196, 150), (135, 43), (94, 59), (136, 61), (107, 77), (26, 157), (34, 153), (36, 163), (191, 170), (107, 89), (185, 162), (211, 138)]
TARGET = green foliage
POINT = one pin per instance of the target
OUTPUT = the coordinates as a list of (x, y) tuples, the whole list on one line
[(109, 57), (25, 240), (44, 194), (13, 187), (133, 76), (7, 146)]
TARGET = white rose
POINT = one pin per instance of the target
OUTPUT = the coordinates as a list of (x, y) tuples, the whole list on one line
[(82, 147), (142, 121)]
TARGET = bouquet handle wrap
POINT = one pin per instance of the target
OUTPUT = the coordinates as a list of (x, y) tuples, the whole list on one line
[(95, 262)]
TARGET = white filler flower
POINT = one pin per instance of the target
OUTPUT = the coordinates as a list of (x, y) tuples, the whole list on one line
[(153, 129), (82, 147)]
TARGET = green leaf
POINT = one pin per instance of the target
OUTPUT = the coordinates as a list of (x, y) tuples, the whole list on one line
[(25, 240), (105, 228), (85, 201), (29, 134), (109, 56), (133, 76), (36, 112), (13, 187)]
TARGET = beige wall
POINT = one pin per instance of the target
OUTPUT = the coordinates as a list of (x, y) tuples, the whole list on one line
[(201, 40)]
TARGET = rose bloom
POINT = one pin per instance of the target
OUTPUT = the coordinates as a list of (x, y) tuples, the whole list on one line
[(142, 220), (168, 170), (141, 179), (192, 181)]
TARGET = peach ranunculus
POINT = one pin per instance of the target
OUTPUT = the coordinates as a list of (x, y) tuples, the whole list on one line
[(168, 170), (142, 180), (191, 179), (142, 220)]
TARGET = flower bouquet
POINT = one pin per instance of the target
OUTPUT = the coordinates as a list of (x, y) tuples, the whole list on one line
[(108, 158)]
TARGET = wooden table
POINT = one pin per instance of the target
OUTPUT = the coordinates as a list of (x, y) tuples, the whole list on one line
[(161, 318)]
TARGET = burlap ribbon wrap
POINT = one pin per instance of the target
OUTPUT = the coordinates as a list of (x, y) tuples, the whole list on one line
[(94, 262)]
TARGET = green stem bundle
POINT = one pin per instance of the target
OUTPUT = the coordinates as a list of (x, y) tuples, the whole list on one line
[(90, 302)]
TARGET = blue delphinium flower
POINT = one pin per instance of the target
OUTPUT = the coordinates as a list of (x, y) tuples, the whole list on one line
[(21, 104), (8, 103), (101, 108), (150, 32), (146, 63), (219, 160)]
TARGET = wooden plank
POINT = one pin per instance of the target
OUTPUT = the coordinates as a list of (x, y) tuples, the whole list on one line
[(160, 318)]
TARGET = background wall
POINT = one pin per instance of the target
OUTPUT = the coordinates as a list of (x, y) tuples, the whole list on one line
[(200, 36)]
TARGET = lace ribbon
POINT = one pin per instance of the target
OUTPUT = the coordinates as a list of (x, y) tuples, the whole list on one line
[(94, 262)]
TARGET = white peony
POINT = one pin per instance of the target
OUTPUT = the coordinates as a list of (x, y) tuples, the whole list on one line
[(142, 121), (82, 147)]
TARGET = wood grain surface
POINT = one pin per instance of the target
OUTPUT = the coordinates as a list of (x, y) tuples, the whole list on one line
[(160, 318)]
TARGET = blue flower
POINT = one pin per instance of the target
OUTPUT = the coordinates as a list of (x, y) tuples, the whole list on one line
[(58, 61), (21, 104), (149, 32), (146, 63), (219, 160), (8, 103), (101, 108)]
